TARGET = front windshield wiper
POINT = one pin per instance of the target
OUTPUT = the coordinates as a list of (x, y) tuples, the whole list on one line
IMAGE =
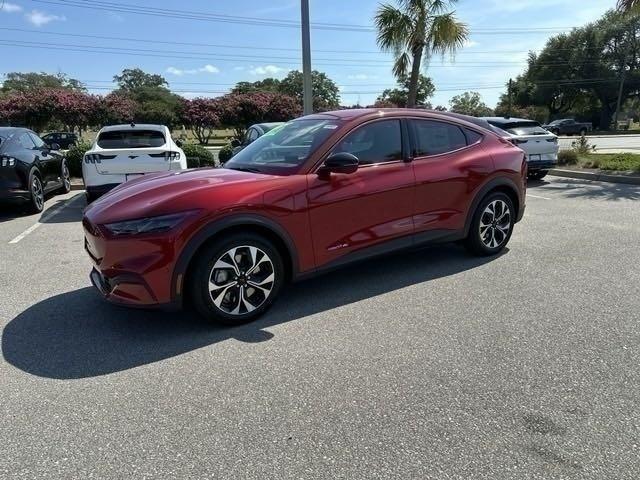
[(245, 169)]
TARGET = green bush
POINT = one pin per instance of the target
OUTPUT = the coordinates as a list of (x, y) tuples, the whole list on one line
[(619, 161), (567, 157), (74, 157), (198, 156), (225, 153)]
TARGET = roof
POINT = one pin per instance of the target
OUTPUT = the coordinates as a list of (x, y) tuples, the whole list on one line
[(136, 126), (507, 120)]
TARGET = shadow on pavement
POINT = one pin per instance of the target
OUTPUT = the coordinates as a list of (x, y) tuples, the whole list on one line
[(78, 335), (573, 188), (70, 213)]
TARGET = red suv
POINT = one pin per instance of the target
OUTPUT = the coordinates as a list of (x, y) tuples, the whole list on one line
[(314, 194)]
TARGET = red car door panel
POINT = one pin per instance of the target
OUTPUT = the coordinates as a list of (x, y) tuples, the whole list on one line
[(350, 212)]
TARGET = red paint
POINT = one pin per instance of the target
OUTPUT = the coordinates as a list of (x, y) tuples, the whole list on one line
[(326, 218)]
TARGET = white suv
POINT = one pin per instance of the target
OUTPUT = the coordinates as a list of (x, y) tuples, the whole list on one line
[(123, 152)]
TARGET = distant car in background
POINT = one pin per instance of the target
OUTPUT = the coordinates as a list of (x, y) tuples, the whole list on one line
[(29, 168), (568, 126), (254, 132), (540, 145), (123, 152), (65, 140)]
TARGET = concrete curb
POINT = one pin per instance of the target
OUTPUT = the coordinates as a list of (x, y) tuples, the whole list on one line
[(598, 177), (76, 184)]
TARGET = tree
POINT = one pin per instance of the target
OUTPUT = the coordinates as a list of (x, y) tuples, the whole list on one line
[(399, 97), (326, 94), (415, 31), (73, 109), (132, 79), (115, 108), (23, 82), (629, 5), (266, 85), (470, 103), (201, 115)]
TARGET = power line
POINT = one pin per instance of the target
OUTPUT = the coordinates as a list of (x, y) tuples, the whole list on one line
[(260, 21)]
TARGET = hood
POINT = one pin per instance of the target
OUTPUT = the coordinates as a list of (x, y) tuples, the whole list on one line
[(168, 192)]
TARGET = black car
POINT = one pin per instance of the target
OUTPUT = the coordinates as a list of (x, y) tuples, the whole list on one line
[(65, 140), (29, 168)]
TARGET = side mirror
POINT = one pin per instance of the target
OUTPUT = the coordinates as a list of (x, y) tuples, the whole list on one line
[(179, 143), (54, 146), (340, 163), (235, 143)]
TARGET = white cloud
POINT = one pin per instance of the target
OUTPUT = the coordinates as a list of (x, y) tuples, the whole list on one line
[(361, 76), (470, 43), (10, 7), (266, 70), (38, 18), (192, 71)]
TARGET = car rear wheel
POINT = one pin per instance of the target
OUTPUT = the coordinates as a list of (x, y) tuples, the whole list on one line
[(492, 225), (65, 177), (236, 279), (36, 204)]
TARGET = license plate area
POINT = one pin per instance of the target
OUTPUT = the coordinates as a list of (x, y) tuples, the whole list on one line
[(535, 158)]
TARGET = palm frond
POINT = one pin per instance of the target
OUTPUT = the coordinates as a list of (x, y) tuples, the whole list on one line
[(402, 64), (447, 34), (394, 28), (629, 5)]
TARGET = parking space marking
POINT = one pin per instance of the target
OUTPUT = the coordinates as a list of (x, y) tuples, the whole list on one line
[(46, 216), (537, 196)]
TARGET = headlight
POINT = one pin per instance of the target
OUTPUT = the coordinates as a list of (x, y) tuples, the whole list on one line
[(139, 226)]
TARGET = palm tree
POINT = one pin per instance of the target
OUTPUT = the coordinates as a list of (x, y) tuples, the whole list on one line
[(629, 5), (415, 30)]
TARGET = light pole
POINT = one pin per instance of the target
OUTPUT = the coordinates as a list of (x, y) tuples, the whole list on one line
[(306, 60)]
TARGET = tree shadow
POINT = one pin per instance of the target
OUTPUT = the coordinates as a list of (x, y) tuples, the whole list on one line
[(573, 188), (79, 335)]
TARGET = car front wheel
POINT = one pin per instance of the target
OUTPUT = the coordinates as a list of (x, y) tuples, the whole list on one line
[(65, 177), (36, 204), (236, 279), (492, 225)]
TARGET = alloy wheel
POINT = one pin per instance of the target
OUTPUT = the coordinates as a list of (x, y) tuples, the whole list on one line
[(66, 178), (495, 224), (37, 193), (241, 280)]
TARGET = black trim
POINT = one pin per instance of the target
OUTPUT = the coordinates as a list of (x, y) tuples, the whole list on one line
[(211, 229), (98, 190), (407, 242)]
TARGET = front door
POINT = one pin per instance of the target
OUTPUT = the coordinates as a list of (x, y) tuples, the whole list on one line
[(352, 212)]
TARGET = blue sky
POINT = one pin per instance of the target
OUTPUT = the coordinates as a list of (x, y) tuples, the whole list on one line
[(54, 36)]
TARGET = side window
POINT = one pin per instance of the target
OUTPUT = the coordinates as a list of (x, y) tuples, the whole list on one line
[(377, 142), (434, 138), (472, 136), (37, 140), (23, 140), (252, 135)]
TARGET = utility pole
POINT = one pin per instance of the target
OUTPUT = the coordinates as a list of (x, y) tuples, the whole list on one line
[(306, 59), (619, 103), (510, 104)]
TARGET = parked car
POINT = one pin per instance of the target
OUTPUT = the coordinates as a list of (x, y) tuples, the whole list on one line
[(540, 146), (568, 126), (253, 133), (323, 191), (123, 152), (29, 169), (64, 139)]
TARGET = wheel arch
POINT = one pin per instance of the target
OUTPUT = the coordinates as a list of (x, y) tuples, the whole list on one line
[(504, 185), (255, 224)]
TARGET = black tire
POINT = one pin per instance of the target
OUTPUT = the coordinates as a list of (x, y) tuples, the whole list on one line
[(480, 245), (233, 297), (65, 176), (538, 174), (36, 189)]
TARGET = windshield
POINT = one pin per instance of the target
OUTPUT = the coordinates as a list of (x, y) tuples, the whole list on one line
[(525, 128), (285, 148), (556, 122), (131, 139)]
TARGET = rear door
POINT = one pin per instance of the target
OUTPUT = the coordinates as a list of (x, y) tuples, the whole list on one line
[(132, 152)]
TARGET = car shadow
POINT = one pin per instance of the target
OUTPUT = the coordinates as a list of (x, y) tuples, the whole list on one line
[(575, 188), (52, 213), (78, 335)]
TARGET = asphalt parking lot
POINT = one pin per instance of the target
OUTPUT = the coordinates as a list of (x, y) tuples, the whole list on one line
[(428, 364)]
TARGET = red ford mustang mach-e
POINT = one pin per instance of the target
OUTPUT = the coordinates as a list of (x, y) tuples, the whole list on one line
[(316, 193)]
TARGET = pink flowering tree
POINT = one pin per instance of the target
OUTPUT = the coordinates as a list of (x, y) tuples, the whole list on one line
[(201, 115)]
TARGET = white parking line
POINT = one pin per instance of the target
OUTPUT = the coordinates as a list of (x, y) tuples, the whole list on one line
[(46, 216), (537, 196)]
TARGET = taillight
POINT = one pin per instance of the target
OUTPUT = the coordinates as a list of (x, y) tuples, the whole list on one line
[(97, 157), (519, 141)]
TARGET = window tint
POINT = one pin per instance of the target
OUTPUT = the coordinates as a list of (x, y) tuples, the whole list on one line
[(131, 139), (376, 142), (24, 140), (434, 138), (472, 136), (37, 140)]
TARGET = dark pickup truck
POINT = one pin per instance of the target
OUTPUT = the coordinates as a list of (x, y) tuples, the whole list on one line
[(568, 126)]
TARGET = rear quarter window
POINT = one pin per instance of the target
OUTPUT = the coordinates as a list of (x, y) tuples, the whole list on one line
[(435, 138), (131, 139)]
